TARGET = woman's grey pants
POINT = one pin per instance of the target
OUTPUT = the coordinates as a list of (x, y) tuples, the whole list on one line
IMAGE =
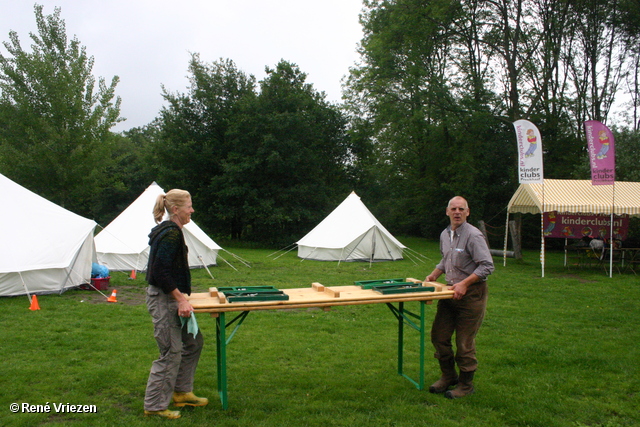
[(179, 352)]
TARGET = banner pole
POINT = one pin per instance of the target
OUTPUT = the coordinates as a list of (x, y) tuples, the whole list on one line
[(530, 165), (542, 231)]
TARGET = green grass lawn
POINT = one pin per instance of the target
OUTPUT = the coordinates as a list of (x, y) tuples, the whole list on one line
[(555, 351)]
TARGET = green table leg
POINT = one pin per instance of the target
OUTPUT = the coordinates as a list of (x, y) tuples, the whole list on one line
[(221, 349), (404, 316), (400, 312), (221, 346)]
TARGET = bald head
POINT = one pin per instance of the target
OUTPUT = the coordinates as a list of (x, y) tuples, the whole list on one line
[(457, 211), (458, 199)]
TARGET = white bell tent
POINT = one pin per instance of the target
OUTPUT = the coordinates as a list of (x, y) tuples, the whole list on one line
[(123, 245), (350, 233), (45, 248)]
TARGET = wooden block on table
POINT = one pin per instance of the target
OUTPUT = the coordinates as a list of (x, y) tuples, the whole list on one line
[(321, 288), (331, 292), (222, 298), (438, 287)]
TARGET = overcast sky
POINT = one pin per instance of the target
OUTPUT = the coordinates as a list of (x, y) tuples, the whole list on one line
[(147, 43)]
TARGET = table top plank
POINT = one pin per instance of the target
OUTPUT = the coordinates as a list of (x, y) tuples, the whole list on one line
[(316, 295)]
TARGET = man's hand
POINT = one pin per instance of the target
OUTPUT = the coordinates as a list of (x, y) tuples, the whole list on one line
[(433, 276), (459, 290)]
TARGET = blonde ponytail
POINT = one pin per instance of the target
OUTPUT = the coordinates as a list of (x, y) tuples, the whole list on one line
[(165, 202), (158, 208)]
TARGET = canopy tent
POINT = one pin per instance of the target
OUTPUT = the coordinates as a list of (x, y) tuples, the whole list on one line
[(46, 248), (574, 196), (350, 233), (123, 245)]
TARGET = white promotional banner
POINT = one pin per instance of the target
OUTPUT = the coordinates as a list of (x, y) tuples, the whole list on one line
[(529, 152)]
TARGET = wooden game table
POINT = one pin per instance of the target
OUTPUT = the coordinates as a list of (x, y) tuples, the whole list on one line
[(219, 303)]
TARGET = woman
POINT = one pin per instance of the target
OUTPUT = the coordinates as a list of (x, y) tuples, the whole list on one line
[(171, 376)]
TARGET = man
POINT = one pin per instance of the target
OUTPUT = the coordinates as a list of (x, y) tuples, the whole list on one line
[(467, 262)]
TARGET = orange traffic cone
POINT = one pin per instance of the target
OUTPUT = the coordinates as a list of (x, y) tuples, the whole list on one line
[(34, 303), (133, 275), (112, 298)]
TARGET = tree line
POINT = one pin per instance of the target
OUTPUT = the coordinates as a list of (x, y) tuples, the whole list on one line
[(427, 114)]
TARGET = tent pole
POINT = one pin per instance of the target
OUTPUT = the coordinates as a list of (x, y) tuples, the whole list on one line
[(417, 254), (98, 290), (239, 258), (373, 249), (228, 263), (286, 247), (284, 253), (412, 258), (205, 266), (611, 248), (25, 286), (613, 206), (506, 235)]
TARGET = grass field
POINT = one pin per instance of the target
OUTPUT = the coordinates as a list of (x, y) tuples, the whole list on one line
[(555, 351)]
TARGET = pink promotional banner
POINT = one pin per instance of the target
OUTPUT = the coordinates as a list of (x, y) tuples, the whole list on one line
[(529, 152), (575, 226), (602, 157)]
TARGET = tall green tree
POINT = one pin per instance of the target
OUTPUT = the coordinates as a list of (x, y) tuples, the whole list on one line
[(288, 164), (261, 165), (133, 169), (54, 122), (194, 125), (432, 129), (441, 81), (193, 140)]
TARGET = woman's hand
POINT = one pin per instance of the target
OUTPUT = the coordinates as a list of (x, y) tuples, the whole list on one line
[(184, 306)]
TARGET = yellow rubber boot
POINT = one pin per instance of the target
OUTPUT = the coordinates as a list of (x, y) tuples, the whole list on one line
[(170, 415), (188, 399)]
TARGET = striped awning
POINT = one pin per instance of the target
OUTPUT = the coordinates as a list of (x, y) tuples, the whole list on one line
[(577, 196)]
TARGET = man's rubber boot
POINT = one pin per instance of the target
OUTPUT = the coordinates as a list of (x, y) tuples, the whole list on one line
[(464, 387), (449, 377), (188, 399)]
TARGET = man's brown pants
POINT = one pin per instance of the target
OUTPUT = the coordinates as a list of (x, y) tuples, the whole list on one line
[(462, 317)]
